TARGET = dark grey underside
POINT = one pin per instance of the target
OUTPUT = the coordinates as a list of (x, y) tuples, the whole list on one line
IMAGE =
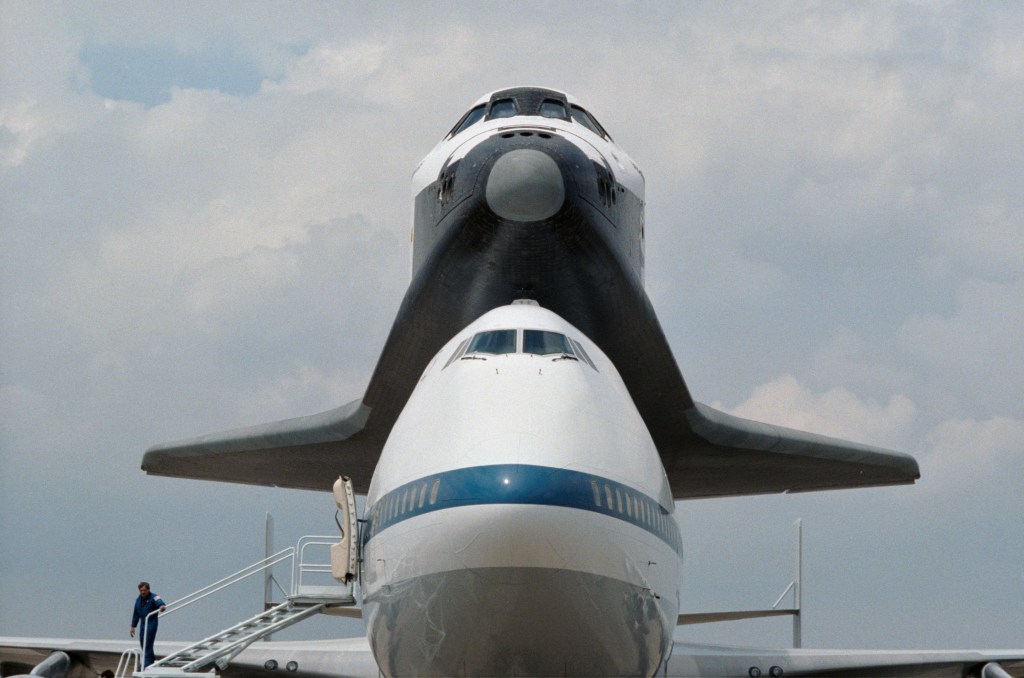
[(515, 622), (583, 264)]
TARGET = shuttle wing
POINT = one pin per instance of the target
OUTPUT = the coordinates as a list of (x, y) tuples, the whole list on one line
[(727, 455), (706, 453), (305, 453)]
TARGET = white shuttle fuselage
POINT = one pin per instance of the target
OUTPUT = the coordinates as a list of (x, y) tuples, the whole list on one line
[(520, 520)]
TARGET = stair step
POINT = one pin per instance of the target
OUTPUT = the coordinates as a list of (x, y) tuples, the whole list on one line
[(220, 648)]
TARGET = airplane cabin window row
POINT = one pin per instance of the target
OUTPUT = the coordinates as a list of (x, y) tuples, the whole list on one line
[(634, 506), (606, 497), (412, 498)]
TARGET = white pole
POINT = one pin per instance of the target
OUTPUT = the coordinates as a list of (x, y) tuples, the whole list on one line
[(798, 589), (268, 575)]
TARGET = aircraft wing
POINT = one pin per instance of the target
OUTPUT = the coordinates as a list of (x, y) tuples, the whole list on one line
[(706, 453), (351, 657), (88, 658), (304, 453), (715, 454), (342, 658), (728, 455), (703, 661)]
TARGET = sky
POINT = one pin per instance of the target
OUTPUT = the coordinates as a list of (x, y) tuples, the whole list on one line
[(204, 224)]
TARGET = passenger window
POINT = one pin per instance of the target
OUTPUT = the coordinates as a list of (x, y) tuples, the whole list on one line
[(495, 342), (540, 342), (474, 116), (503, 108), (585, 119), (550, 108)]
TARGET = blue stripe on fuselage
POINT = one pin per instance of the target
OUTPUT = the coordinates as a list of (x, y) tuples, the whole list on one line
[(521, 484)]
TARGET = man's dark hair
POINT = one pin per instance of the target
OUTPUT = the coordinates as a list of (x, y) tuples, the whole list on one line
[(144, 583)]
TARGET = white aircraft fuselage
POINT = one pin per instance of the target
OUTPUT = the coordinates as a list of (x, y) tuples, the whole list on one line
[(520, 521)]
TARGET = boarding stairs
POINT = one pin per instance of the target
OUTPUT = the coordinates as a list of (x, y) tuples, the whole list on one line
[(219, 649), (302, 601)]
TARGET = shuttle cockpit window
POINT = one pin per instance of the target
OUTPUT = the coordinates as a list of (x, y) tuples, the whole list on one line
[(541, 342), (502, 108), (588, 121), (494, 342), (475, 115), (549, 108)]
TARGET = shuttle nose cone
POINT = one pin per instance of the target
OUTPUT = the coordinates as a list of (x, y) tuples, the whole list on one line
[(525, 185)]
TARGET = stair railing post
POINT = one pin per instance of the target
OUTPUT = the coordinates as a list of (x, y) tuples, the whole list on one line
[(268, 576), (145, 637)]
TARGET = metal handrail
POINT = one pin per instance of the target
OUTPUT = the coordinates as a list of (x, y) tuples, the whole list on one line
[(196, 596), (300, 566), (130, 659), (255, 568)]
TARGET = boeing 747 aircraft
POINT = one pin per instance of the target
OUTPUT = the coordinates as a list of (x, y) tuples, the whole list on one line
[(525, 435)]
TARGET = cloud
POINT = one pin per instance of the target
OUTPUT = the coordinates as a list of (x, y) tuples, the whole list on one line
[(327, 67), (146, 74), (988, 237), (833, 196), (836, 412), (972, 357), (973, 452), (20, 128)]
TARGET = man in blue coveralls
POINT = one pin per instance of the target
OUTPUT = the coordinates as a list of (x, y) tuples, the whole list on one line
[(144, 604)]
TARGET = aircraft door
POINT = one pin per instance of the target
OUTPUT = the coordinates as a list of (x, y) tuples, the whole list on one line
[(345, 554)]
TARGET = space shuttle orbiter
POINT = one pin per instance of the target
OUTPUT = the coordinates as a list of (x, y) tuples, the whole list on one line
[(528, 197)]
